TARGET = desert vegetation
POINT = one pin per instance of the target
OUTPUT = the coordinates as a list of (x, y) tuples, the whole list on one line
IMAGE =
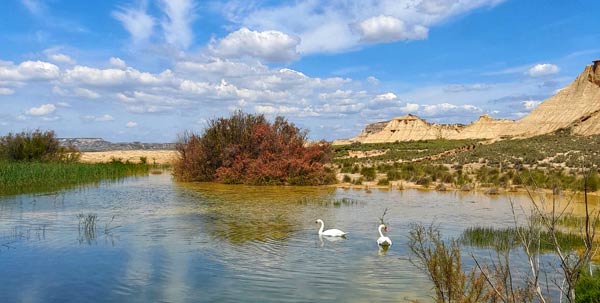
[(549, 230), (33, 161), (248, 149), (555, 160)]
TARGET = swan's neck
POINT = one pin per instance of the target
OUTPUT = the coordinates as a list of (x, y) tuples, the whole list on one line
[(380, 233), (322, 226)]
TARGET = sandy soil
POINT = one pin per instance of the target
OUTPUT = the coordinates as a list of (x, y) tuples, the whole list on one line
[(153, 156)]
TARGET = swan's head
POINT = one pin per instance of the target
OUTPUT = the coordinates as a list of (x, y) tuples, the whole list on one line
[(383, 227), (319, 221)]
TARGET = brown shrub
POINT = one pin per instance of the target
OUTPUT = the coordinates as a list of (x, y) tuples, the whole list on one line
[(248, 149)]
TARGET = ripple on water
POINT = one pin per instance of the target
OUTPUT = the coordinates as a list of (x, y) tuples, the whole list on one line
[(187, 243)]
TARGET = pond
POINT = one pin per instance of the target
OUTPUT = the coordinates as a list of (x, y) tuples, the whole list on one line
[(155, 240)]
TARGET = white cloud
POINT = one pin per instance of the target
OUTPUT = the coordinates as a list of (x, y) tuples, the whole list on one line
[(63, 104), (530, 104), (137, 22), (269, 45), (28, 70), (41, 110), (86, 93), (388, 29), (372, 80), (442, 108), (6, 91), (386, 96), (114, 77), (103, 118), (545, 69), (131, 124), (117, 63), (410, 108), (177, 24), (345, 25), (61, 59)]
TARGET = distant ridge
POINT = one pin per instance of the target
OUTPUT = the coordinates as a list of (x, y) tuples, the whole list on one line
[(99, 144), (576, 107)]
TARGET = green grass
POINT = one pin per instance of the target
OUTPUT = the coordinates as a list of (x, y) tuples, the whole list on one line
[(504, 238), (403, 150), (38, 177)]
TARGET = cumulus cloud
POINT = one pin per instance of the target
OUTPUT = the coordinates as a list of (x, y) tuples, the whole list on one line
[(41, 110), (410, 108), (442, 108), (131, 124), (61, 59), (86, 93), (530, 104), (103, 118), (388, 29), (28, 70), (269, 45), (540, 70), (117, 63), (324, 27), (112, 77)]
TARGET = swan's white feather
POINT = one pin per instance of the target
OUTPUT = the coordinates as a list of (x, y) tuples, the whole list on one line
[(333, 233)]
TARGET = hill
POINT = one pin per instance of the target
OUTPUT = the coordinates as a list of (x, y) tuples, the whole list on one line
[(575, 107)]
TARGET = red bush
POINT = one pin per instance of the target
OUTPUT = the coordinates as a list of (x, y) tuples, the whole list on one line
[(248, 149)]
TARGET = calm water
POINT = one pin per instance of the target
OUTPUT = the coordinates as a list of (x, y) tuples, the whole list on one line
[(160, 241)]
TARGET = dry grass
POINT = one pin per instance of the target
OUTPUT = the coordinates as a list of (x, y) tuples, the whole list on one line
[(153, 156)]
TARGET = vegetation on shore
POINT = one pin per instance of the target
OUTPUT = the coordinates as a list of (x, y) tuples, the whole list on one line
[(248, 149), (549, 161), (33, 162), (549, 231)]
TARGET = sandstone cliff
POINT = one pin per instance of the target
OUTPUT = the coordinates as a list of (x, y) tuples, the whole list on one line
[(577, 107)]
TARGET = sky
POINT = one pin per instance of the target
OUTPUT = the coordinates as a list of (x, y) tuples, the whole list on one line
[(135, 70)]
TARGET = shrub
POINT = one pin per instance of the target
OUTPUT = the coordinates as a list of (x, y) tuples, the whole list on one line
[(347, 179), (246, 148), (588, 288), (383, 181), (35, 146), (369, 173)]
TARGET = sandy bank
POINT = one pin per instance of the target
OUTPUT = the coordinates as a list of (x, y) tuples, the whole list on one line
[(152, 156)]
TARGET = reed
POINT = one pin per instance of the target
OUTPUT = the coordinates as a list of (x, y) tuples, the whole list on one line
[(37, 177), (506, 238)]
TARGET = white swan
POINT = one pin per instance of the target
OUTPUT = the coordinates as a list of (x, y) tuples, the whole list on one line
[(329, 232), (383, 240)]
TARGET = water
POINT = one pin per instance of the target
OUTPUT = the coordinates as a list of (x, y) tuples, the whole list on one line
[(160, 241)]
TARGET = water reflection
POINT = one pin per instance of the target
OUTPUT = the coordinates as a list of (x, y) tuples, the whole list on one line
[(240, 214), (156, 240)]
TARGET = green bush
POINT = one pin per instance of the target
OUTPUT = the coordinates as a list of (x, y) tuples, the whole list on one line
[(347, 179), (369, 173), (383, 182), (35, 146), (587, 289)]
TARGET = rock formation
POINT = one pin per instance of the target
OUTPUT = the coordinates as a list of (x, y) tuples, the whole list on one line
[(576, 106)]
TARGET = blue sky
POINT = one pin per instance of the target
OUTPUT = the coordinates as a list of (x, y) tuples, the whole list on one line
[(149, 70)]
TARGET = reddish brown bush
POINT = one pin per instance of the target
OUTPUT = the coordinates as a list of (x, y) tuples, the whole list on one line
[(248, 149)]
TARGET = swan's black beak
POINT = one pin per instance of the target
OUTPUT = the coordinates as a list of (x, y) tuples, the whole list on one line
[(316, 221), (385, 228)]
